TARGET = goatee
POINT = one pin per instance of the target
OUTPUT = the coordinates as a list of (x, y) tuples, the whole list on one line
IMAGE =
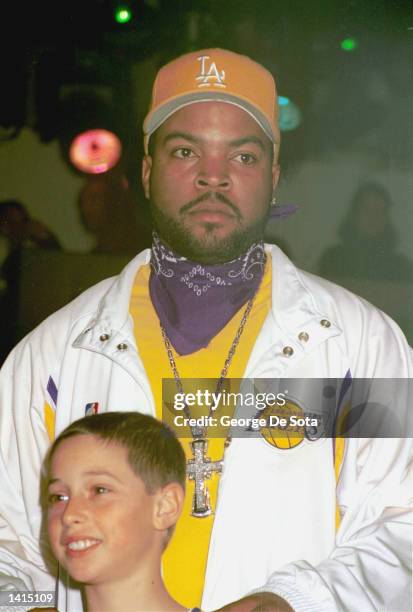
[(210, 249)]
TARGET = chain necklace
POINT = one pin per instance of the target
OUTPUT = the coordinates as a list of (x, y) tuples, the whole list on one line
[(200, 467)]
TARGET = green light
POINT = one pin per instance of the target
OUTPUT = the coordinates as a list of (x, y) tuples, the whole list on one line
[(123, 14), (349, 44)]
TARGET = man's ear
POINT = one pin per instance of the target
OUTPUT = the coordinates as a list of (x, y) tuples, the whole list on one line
[(146, 175), (168, 505), (275, 175)]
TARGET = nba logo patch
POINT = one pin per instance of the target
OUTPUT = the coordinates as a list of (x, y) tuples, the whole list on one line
[(92, 408)]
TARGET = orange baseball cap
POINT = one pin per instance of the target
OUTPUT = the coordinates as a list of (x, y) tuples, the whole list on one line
[(214, 75)]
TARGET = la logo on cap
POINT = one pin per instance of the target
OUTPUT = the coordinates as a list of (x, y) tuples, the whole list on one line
[(210, 75)]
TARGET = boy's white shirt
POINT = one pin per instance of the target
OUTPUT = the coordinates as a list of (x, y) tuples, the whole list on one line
[(263, 490)]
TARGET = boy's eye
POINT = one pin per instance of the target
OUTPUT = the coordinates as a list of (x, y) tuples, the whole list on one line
[(183, 153), (55, 498), (245, 158), (101, 490)]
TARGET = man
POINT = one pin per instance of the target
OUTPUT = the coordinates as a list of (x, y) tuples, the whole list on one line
[(309, 527), (20, 232)]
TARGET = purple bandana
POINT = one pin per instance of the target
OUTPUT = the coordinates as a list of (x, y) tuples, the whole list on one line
[(282, 211), (194, 301)]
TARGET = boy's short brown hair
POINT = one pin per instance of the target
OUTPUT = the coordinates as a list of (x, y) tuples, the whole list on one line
[(154, 453)]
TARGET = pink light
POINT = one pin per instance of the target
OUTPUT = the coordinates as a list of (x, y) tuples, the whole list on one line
[(95, 151)]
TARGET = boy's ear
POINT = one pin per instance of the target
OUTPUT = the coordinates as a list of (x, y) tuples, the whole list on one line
[(168, 505)]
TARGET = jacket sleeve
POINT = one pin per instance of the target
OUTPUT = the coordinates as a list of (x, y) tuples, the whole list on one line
[(370, 566), (369, 569), (23, 443)]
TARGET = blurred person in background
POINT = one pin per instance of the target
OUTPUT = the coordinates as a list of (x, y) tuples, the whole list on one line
[(369, 240), (108, 211), (19, 231)]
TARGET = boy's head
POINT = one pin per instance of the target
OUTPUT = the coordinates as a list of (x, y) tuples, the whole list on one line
[(115, 488)]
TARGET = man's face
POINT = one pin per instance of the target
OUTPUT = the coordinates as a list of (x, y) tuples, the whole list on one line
[(14, 224), (100, 516), (210, 180), (372, 216)]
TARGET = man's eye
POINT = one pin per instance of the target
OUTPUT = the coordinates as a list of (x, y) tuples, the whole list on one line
[(55, 498), (245, 158), (183, 153), (100, 490)]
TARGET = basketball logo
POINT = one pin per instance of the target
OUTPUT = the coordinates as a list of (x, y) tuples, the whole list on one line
[(284, 427)]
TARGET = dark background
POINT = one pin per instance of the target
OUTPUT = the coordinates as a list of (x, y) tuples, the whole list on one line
[(54, 48)]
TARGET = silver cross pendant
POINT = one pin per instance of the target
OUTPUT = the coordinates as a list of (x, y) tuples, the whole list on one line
[(199, 469)]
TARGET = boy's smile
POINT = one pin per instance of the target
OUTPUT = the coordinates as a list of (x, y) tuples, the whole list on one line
[(79, 546), (100, 515)]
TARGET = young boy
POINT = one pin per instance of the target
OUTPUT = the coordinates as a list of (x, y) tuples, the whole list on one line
[(115, 488)]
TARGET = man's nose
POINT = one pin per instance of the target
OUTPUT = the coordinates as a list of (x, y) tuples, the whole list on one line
[(213, 173), (75, 511)]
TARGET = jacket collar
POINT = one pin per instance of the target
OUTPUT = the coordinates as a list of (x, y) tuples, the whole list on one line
[(296, 310), (111, 325), (301, 305)]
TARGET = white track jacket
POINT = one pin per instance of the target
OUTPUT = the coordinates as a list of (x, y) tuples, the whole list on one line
[(274, 528)]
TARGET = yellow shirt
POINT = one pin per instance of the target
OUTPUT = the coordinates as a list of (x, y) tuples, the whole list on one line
[(184, 561)]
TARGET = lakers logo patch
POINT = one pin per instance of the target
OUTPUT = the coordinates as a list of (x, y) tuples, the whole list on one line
[(286, 426)]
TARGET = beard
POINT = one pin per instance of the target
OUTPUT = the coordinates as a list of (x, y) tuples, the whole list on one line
[(210, 248)]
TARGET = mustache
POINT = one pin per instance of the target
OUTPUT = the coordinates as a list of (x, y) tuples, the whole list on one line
[(214, 195)]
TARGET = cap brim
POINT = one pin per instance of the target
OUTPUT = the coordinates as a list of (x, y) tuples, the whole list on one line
[(155, 119)]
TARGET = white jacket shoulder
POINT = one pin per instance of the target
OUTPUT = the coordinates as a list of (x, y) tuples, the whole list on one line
[(111, 295)]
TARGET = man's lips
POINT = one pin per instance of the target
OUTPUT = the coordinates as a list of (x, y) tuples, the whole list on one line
[(211, 203), (211, 212)]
